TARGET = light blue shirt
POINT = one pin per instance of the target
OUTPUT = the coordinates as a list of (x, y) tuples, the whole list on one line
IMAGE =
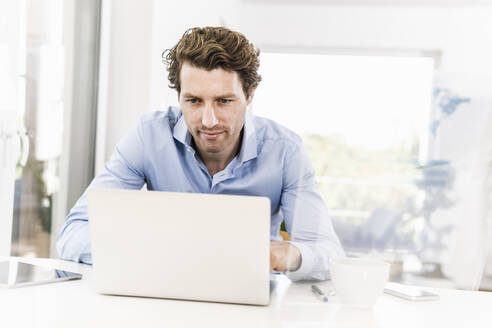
[(272, 162)]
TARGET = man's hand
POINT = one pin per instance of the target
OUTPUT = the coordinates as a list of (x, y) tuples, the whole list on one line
[(284, 256)]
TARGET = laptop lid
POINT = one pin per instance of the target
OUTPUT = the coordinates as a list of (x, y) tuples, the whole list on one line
[(181, 245)]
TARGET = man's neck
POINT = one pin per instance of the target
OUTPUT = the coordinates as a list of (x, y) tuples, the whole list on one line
[(213, 167)]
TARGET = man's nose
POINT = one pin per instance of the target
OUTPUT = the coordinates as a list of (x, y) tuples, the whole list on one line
[(208, 116)]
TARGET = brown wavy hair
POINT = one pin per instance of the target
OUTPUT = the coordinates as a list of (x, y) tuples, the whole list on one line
[(214, 47)]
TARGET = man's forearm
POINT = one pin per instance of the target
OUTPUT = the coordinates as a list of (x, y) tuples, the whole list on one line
[(73, 243), (315, 258)]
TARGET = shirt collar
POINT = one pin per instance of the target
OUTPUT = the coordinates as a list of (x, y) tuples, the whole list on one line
[(249, 144), (181, 132)]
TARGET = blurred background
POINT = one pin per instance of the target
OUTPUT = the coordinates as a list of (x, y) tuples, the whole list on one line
[(391, 97)]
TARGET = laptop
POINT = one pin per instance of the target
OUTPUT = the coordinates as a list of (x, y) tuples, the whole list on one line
[(188, 246)]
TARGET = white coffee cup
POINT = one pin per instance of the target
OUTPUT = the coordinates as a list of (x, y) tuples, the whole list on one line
[(359, 282)]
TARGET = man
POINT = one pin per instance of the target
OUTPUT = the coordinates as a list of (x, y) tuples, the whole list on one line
[(211, 145)]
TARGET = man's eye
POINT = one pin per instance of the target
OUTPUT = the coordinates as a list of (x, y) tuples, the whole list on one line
[(192, 100), (225, 100)]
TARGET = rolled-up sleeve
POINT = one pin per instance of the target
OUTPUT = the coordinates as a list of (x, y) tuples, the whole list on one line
[(306, 218), (124, 170)]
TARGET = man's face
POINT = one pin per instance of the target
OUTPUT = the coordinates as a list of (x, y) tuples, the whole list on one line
[(214, 107)]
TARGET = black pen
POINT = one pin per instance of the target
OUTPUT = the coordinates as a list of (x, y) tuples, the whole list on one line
[(319, 293)]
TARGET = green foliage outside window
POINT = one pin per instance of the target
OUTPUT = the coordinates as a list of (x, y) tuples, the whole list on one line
[(358, 179)]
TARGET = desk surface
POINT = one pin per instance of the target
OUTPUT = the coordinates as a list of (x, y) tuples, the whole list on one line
[(75, 304)]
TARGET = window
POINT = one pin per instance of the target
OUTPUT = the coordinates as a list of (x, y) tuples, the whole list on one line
[(364, 121), (46, 48)]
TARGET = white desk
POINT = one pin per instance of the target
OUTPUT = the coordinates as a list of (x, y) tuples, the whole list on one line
[(74, 304)]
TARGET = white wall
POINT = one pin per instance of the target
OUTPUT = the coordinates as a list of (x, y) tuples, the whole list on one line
[(127, 72), (458, 32)]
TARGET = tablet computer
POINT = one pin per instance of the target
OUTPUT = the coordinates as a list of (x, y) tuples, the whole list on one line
[(15, 273)]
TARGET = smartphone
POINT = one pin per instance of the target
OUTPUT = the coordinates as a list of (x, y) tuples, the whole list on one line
[(409, 293)]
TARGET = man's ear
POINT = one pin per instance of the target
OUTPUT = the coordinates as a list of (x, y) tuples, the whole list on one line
[(251, 94)]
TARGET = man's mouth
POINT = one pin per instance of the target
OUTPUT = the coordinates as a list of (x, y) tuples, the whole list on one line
[(211, 135)]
